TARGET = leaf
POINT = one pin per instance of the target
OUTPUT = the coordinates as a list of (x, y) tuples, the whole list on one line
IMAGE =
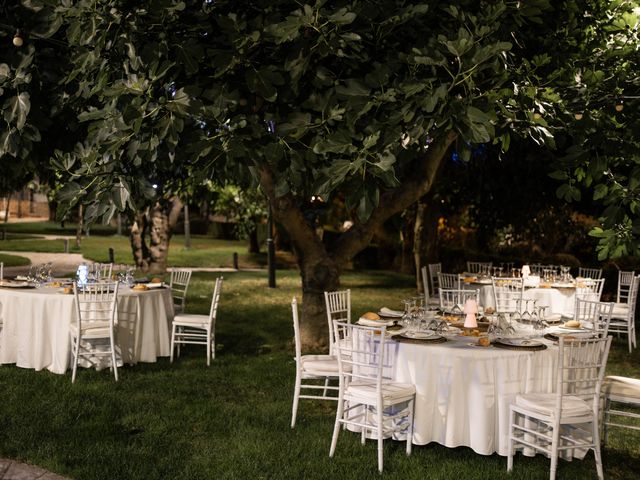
[(352, 87), (16, 109), (371, 140), (368, 202), (260, 85), (600, 191), (342, 17)]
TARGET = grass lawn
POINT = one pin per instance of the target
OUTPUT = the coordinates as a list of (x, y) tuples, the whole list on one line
[(231, 420), (204, 251), (13, 260)]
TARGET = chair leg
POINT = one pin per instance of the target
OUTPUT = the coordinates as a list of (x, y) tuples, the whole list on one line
[(412, 406), (173, 342), (596, 449), (605, 417), (336, 426), (380, 436), (113, 358), (554, 451), (208, 348), (75, 359), (296, 398), (512, 420)]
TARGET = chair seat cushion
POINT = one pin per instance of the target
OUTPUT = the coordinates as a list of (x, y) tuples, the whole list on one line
[(622, 387), (191, 320), (545, 403), (320, 364), (91, 329), (391, 391), (620, 310)]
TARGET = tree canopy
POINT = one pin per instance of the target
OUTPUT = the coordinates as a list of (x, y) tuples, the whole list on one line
[(357, 98)]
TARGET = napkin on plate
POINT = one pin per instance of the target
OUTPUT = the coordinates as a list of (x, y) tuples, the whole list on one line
[(387, 312), (374, 323), (21, 278)]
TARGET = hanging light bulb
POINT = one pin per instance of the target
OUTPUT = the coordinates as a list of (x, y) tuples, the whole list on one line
[(619, 105), (17, 39), (537, 115), (578, 115)]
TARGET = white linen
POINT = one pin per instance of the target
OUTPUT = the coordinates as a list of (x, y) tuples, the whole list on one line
[(559, 300), (37, 323), (463, 392)]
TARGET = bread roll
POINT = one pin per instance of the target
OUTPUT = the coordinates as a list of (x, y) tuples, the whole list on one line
[(484, 341), (371, 316), (572, 324), (489, 310), (156, 280)]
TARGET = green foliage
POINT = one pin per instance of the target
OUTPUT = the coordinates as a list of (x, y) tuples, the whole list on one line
[(245, 208)]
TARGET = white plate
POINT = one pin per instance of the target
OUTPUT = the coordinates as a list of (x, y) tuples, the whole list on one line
[(154, 285), (572, 329), (519, 342), (12, 284), (421, 335)]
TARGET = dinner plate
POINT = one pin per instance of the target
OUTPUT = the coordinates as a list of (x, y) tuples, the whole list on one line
[(572, 329), (421, 335), (10, 284), (519, 344)]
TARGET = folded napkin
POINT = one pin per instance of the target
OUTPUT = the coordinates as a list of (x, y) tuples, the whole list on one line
[(21, 278), (387, 312), (374, 323)]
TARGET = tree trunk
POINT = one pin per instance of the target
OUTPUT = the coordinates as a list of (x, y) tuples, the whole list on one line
[(418, 244), (80, 224), (6, 208), (319, 274), (151, 234), (187, 227), (254, 245), (409, 224)]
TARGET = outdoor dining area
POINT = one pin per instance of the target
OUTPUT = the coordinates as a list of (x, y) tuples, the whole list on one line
[(101, 318), (517, 368)]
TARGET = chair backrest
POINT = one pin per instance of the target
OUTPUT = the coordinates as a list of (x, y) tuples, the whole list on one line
[(633, 298), (455, 298), (581, 367), (598, 314), (179, 285), (507, 293), (96, 302), (215, 299), (590, 289), (479, 267), (594, 273), (338, 306), (103, 271), (362, 359), (449, 280), (425, 282), (1, 271), (434, 284), (625, 279)]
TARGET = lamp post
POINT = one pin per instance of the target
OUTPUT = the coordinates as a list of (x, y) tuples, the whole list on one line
[(271, 250)]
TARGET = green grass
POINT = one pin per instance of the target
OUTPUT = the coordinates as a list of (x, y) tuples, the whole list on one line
[(13, 260), (231, 420), (204, 251)]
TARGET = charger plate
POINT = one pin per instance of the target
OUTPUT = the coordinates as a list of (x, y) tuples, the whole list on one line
[(424, 340), (519, 344)]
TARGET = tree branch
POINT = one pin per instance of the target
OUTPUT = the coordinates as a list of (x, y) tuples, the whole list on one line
[(394, 201)]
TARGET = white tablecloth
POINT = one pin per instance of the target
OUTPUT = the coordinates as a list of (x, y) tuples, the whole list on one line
[(463, 392), (559, 300), (36, 326)]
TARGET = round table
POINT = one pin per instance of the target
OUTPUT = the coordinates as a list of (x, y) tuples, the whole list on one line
[(36, 322), (463, 391)]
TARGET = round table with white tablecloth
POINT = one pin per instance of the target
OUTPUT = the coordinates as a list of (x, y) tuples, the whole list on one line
[(36, 326), (463, 392)]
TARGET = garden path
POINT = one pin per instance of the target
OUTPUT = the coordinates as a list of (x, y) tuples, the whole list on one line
[(12, 470)]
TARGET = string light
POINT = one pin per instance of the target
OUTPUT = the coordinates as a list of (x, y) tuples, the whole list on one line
[(578, 115), (619, 105)]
